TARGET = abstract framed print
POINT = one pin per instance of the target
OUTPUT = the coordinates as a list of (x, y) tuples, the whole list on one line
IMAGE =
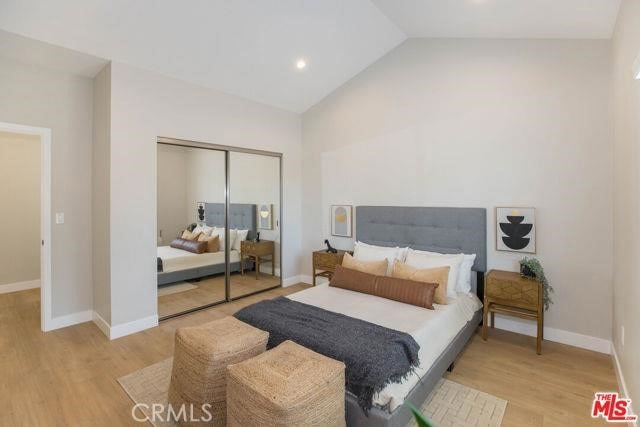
[(341, 220), (265, 216), (516, 230)]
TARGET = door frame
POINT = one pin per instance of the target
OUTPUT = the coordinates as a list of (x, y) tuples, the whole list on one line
[(46, 311)]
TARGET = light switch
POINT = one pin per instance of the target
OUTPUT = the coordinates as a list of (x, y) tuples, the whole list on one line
[(60, 218)]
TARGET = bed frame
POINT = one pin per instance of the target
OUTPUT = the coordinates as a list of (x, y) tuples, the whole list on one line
[(241, 216), (437, 229)]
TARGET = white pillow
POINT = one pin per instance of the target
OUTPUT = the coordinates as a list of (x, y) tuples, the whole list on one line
[(233, 234), (424, 259), (365, 252), (464, 275), (204, 229), (463, 283), (241, 237)]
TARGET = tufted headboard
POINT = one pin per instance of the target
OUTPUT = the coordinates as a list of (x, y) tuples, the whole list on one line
[(241, 216), (444, 230)]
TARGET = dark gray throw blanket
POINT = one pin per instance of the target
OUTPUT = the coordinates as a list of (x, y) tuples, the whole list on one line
[(374, 355), (160, 268)]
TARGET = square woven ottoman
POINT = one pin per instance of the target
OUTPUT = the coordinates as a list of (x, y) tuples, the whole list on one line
[(200, 361), (289, 385)]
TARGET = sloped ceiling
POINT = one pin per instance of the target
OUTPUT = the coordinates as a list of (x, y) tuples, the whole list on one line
[(244, 47), (249, 47), (547, 19)]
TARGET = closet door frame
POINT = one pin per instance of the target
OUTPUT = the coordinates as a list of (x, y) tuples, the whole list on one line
[(227, 150)]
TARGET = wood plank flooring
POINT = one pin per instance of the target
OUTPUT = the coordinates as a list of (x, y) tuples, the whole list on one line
[(68, 377), (211, 289)]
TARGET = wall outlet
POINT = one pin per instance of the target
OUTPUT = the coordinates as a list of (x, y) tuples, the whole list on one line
[(60, 218), (622, 335)]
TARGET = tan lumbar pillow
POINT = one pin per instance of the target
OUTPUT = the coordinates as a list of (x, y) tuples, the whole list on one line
[(439, 275), (378, 268), (213, 242), (187, 235)]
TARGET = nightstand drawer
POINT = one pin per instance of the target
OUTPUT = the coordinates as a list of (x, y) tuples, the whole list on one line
[(263, 247), (521, 293), (327, 261)]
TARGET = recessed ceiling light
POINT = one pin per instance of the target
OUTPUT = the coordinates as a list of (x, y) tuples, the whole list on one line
[(301, 64)]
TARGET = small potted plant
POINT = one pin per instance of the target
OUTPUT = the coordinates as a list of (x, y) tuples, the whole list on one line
[(531, 267), (420, 418)]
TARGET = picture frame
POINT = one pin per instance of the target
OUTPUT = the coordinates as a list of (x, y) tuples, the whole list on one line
[(201, 213), (342, 220), (265, 216), (516, 229)]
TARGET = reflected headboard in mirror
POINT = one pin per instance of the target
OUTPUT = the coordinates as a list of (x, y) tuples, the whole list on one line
[(241, 216), (435, 229)]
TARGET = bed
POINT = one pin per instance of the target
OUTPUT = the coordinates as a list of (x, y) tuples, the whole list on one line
[(179, 265), (441, 333)]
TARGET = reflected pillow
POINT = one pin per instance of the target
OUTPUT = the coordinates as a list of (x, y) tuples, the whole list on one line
[(189, 245), (203, 229), (438, 275), (240, 237), (378, 268), (213, 242), (190, 235)]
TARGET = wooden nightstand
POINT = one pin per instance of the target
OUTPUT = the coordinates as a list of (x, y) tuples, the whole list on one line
[(507, 292), (258, 251), (326, 262)]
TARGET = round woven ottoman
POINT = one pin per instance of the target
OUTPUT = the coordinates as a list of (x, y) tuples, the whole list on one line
[(200, 361), (289, 385)]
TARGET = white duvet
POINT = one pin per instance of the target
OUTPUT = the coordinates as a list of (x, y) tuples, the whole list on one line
[(177, 259), (433, 330)]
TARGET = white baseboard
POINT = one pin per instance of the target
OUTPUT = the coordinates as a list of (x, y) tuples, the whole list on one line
[(19, 286), (622, 384), (266, 269), (69, 320), (290, 281), (124, 329), (304, 278), (101, 324), (600, 345)]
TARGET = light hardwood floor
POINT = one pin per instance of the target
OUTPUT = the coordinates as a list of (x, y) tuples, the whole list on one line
[(68, 377), (211, 289)]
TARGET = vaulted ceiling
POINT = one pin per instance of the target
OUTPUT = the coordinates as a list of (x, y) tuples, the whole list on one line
[(250, 48)]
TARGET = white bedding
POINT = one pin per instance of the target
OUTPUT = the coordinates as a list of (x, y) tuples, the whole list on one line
[(433, 330), (177, 259)]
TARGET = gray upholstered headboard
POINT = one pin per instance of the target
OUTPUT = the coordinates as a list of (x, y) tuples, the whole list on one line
[(444, 230), (241, 216)]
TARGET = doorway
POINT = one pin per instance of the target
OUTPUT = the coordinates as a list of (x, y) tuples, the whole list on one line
[(27, 265), (218, 224)]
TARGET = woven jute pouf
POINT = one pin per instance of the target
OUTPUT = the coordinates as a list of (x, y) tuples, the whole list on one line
[(200, 361), (289, 385)]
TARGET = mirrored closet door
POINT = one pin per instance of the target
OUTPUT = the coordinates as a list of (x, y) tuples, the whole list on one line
[(191, 228), (218, 224), (254, 189)]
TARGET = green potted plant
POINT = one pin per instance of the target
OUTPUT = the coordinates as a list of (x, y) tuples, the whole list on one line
[(421, 420), (531, 267)]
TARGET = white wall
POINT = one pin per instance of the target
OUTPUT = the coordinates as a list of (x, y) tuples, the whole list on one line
[(144, 106), (37, 96), (626, 50), (480, 123), (100, 193), (20, 214), (173, 172)]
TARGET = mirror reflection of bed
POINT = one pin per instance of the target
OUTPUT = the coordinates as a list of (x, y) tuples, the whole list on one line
[(193, 243)]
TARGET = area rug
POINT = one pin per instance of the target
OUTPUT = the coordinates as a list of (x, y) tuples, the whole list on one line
[(175, 289), (449, 404)]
